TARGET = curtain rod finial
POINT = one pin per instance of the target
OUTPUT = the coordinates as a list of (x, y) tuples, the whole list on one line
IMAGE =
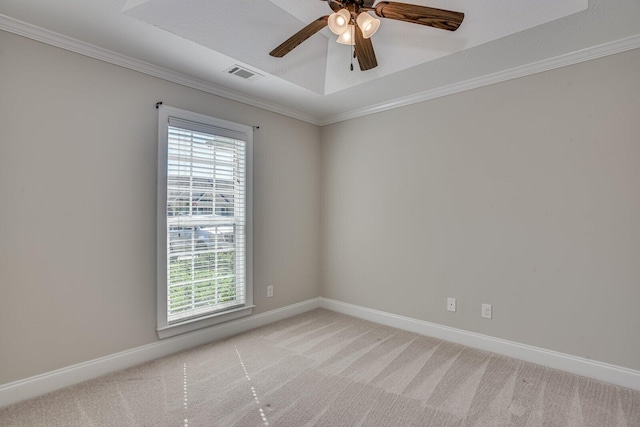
[(158, 104)]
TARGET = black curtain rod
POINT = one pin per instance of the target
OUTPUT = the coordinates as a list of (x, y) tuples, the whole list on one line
[(159, 103)]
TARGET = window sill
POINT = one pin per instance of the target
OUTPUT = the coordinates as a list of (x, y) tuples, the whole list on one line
[(203, 322)]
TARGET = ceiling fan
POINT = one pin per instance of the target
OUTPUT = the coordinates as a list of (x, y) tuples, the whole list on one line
[(353, 24)]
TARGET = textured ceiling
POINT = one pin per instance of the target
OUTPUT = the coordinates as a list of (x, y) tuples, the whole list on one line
[(499, 39), (249, 30)]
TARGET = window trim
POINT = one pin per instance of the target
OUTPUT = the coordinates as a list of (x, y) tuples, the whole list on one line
[(164, 328)]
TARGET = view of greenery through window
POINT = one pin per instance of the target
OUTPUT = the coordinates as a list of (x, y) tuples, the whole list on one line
[(201, 280)]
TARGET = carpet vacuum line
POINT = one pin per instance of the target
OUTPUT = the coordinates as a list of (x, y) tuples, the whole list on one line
[(186, 408), (253, 390)]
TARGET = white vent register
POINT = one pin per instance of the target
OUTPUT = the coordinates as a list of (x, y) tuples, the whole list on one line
[(243, 73)]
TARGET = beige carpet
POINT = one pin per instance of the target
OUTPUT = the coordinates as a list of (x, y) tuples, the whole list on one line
[(327, 369)]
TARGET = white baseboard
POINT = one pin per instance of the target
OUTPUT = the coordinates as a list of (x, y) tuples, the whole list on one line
[(601, 371), (40, 384)]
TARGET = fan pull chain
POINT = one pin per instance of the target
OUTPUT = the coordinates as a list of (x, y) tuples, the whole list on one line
[(352, 56), (353, 53)]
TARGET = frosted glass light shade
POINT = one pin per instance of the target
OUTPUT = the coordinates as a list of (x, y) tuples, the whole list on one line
[(347, 37), (339, 21), (367, 24)]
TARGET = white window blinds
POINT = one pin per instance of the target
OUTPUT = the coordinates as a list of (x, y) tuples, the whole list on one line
[(206, 219)]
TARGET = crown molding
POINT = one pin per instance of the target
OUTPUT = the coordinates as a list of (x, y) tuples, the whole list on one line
[(576, 57), (49, 37), (33, 32)]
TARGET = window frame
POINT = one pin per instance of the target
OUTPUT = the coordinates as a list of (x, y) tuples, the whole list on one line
[(164, 328)]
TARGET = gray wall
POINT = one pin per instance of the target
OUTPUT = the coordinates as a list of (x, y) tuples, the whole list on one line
[(524, 195), (77, 205)]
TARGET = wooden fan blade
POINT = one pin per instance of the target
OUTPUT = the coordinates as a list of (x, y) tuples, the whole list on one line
[(293, 41), (335, 6), (364, 51), (437, 18)]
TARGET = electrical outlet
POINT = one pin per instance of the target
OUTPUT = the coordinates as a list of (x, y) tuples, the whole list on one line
[(451, 304), (486, 311), (269, 291)]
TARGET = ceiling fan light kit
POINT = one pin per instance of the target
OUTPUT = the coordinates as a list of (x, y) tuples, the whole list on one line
[(347, 37), (367, 24), (339, 21), (353, 25)]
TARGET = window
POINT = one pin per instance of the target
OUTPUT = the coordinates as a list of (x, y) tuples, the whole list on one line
[(204, 221)]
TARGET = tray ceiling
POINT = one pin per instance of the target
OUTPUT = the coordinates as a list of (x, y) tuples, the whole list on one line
[(194, 42), (249, 30)]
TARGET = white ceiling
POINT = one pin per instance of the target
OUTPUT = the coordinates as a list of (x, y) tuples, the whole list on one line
[(249, 32), (194, 41)]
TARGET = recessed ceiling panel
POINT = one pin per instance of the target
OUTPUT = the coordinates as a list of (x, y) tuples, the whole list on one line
[(248, 30)]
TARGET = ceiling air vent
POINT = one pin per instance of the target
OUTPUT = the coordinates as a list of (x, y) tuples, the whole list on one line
[(244, 73)]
